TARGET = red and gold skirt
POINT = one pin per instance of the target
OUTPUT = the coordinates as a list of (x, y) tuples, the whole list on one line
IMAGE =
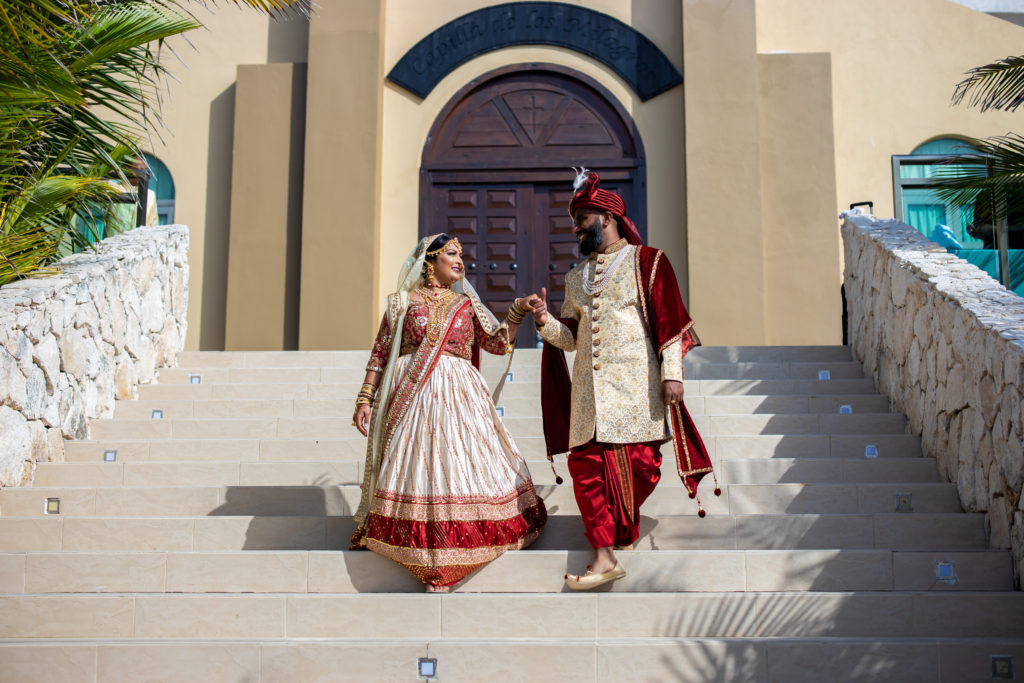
[(453, 492)]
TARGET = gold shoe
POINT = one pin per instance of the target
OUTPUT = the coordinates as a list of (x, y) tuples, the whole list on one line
[(591, 580)]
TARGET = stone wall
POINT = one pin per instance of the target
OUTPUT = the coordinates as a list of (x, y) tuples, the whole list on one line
[(946, 343), (73, 342)]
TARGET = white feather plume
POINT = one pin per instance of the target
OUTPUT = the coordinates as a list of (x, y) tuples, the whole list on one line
[(581, 177)]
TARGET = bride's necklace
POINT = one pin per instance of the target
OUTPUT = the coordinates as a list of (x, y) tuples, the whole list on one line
[(599, 283), (436, 300)]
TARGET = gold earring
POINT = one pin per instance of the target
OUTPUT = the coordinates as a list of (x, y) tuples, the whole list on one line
[(429, 276)]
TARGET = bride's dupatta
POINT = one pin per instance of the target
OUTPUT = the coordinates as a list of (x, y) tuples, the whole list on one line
[(386, 420)]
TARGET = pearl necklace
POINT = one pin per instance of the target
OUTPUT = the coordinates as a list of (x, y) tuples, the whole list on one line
[(600, 283)]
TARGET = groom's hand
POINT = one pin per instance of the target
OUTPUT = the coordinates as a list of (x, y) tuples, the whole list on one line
[(671, 392), (538, 305)]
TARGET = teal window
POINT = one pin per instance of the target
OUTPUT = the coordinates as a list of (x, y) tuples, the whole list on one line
[(915, 200), (964, 232), (161, 188)]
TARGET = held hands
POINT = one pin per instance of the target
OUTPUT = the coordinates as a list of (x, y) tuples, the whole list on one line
[(538, 306), (671, 392), (361, 419)]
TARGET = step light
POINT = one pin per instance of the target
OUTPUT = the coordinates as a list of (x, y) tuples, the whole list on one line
[(157, 414), (110, 455), (846, 409), (501, 410), (1002, 666), (427, 667), (904, 502), (195, 379), (824, 375), (871, 450), (509, 377), (53, 506), (945, 571)]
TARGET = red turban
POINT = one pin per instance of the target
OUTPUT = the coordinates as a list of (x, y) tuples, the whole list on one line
[(588, 196)]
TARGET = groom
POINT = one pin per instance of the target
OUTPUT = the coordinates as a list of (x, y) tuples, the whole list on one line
[(625, 320)]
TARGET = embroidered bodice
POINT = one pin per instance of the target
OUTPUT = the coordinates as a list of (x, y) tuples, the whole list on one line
[(466, 331)]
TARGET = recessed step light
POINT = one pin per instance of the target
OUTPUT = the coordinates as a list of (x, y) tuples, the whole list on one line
[(110, 455), (904, 502), (1002, 666), (945, 571), (195, 379), (157, 414), (426, 668), (501, 410), (824, 375), (871, 450), (53, 506), (846, 409)]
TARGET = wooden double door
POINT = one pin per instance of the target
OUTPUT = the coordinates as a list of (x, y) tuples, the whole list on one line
[(516, 238), (495, 172)]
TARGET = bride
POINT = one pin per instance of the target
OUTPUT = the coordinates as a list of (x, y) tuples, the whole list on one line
[(445, 490)]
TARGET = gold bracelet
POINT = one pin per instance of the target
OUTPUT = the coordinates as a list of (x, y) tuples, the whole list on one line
[(514, 319), (363, 401)]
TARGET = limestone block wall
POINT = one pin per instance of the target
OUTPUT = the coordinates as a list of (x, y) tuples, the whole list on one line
[(73, 342), (946, 343)]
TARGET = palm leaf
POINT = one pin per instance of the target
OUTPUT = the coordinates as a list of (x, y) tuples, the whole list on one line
[(993, 175), (999, 85)]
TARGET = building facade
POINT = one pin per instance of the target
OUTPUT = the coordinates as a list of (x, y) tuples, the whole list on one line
[(309, 158)]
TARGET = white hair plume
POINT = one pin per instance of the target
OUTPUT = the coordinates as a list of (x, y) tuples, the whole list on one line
[(581, 177)]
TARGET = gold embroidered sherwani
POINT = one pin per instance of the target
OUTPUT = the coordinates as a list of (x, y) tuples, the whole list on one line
[(617, 375)]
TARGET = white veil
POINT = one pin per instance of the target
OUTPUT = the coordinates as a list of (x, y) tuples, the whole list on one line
[(410, 276)]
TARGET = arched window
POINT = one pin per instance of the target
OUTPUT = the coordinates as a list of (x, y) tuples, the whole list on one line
[(161, 190), (916, 202)]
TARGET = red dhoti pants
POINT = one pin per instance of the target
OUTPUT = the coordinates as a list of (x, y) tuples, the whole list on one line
[(610, 482)]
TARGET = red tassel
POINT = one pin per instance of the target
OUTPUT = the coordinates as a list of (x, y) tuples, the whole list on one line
[(718, 490), (700, 510), (558, 479)]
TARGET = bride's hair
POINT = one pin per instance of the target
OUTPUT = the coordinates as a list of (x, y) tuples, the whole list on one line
[(439, 241)]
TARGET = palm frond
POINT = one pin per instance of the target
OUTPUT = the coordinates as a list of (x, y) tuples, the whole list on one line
[(994, 175), (999, 85)]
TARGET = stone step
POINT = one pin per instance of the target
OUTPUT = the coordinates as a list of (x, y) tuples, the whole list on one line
[(353, 448), (145, 409), (538, 571), (668, 499), (481, 616), (298, 473), (716, 354), (919, 531), (322, 391), (336, 427), (837, 370), (568, 660)]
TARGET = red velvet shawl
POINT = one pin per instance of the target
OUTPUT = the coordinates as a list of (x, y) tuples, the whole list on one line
[(666, 320)]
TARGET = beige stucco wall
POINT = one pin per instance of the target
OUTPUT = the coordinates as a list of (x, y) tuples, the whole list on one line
[(262, 310), (802, 250), (728, 203), (905, 58), (407, 120), (196, 143)]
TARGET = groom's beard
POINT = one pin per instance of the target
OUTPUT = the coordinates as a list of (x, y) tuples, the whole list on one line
[(591, 238)]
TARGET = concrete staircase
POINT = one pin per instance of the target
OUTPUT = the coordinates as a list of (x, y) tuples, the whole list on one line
[(211, 545)]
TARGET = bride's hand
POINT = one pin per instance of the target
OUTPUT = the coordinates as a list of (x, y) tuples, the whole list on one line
[(538, 306), (361, 419)]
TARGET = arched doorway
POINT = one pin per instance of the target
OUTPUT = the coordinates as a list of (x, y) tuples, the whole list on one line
[(496, 173)]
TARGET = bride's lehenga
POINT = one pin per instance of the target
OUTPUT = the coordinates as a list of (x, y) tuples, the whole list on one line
[(452, 491)]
